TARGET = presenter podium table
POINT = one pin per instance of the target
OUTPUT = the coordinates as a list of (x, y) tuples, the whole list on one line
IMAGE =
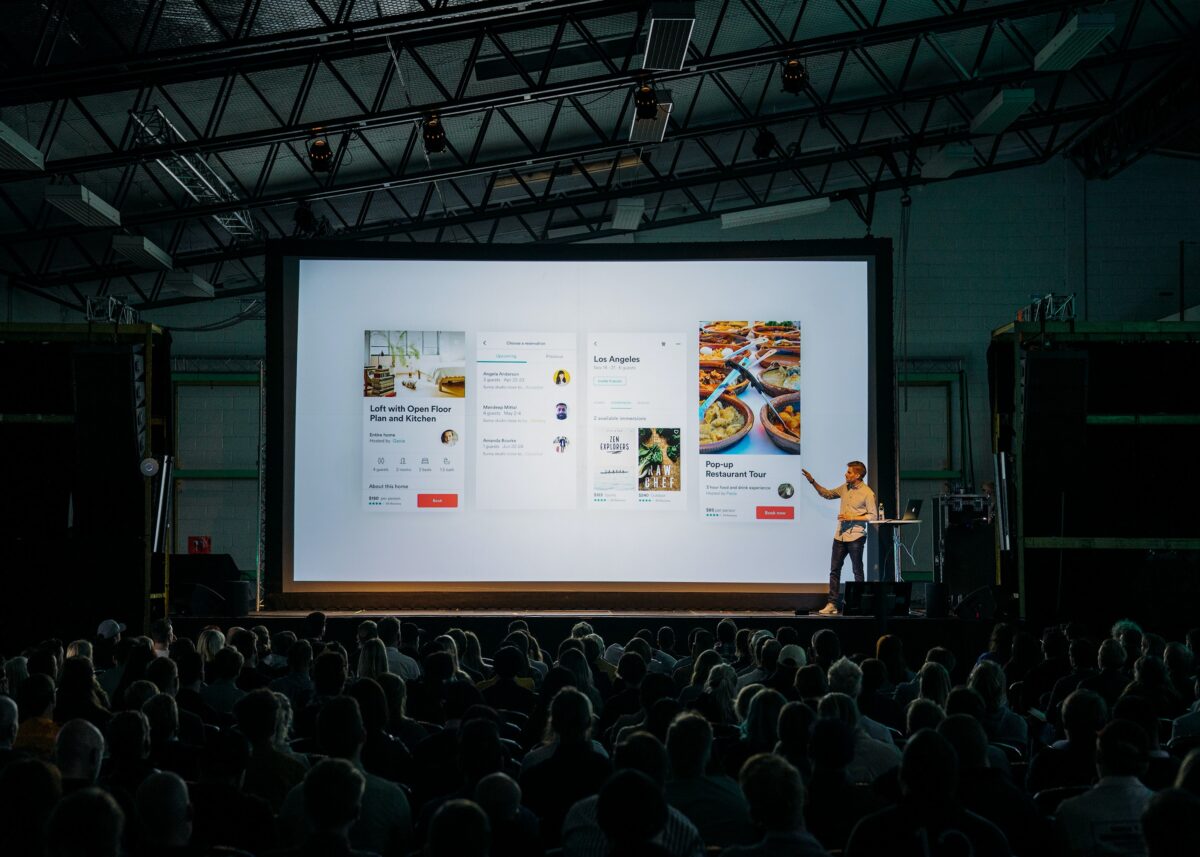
[(895, 524)]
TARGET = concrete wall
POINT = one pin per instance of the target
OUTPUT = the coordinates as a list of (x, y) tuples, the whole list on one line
[(979, 248)]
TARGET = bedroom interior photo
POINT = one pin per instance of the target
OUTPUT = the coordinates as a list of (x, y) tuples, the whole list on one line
[(421, 363)]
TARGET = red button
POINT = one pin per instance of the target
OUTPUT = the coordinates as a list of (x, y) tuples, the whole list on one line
[(774, 513), (437, 501)]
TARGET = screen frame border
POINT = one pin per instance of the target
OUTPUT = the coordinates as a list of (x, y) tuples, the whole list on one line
[(882, 458)]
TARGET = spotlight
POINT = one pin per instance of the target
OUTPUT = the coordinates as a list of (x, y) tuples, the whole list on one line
[(320, 155), (794, 76), (764, 144), (434, 135), (645, 102)]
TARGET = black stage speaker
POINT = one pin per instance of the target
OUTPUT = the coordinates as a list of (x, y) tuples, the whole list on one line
[(209, 585), (876, 598), (937, 601), (231, 599), (980, 604), (969, 561)]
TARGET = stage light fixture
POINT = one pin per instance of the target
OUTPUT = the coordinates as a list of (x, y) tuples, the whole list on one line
[(81, 205), (645, 102), (142, 251), (320, 155), (1002, 111), (628, 214), (670, 33), (1075, 41), (773, 213), (434, 135), (794, 76), (949, 160), (764, 144), (17, 153)]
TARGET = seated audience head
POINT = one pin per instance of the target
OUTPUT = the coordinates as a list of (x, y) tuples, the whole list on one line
[(942, 655), (1082, 654), (968, 739), (631, 810), (741, 705), (86, 823), (164, 812), (762, 718), (726, 632), (966, 700), (810, 682), (163, 673), (703, 665), (890, 649), (1189, 772), (129, 736), (139, 693), (643, 752), (257, 713), (372, 703), (79, 751), (929, 769), (333, 791), (499, 796), (210, 641), (340, 730), (8, 722), (987, 679), (329, 674), (163, 714), (922, 714), (1129, 633), (689, 745), (839, 706), (1169, 824), (845, 676), (314, 626), (580, 630), (1054, 642), (227, 665), (933, 683), (1084, 713), (827, 648), (372, 659), (459, 828), (509, 663), (570, 717), (631, 669), (792, 656), (831, 746), (775, 792), (787, 635), (1111, 655), (1000, 643), (29, 791), (1122, 750)]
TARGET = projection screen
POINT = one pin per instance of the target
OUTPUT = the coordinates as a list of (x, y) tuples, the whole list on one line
[(612, 417)]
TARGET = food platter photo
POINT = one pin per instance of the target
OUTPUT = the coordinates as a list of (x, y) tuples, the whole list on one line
[(785, 435), (725, 422), (713, 372), (779, 374)]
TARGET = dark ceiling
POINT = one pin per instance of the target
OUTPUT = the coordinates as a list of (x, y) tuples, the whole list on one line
[(136, 99)]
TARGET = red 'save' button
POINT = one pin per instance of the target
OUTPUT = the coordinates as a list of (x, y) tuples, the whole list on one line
[(774, 513), (437, 501)]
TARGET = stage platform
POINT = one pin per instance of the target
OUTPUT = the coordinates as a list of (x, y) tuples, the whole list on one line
[(857, 633)]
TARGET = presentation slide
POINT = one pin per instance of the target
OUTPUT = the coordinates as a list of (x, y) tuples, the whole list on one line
[(568, 422)]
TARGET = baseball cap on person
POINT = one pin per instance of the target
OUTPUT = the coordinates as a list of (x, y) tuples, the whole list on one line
[(109, 628)]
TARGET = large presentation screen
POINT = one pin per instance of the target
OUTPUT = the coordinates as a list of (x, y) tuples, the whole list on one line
[(614, 422)]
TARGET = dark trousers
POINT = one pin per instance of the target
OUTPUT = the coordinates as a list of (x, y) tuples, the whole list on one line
[(841, 550)]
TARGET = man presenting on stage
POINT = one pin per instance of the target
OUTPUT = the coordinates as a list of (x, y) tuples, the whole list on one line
[(858, 507)]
